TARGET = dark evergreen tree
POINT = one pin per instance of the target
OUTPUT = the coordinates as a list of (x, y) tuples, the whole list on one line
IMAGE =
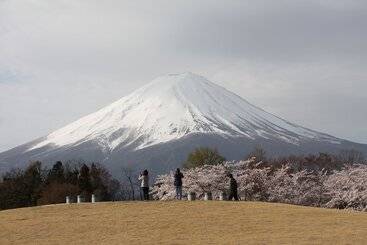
[(32, 182), (71, 174), (84, 181), (12, 190), (21, 188), (56, 174)]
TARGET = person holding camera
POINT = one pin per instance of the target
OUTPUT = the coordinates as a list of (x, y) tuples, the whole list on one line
[(178, 183), (144, 178)]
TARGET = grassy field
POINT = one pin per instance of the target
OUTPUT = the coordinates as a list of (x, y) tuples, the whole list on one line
[(181, 223)]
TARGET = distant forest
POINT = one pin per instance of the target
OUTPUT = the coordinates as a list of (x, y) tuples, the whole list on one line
[(39, 185)]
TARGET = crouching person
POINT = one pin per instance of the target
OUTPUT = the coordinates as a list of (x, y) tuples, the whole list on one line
[(232, 189)]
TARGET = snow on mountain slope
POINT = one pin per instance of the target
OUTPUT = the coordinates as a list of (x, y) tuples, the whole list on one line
[(174, 106)]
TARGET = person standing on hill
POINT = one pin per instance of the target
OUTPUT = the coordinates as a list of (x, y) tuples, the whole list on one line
[(232, 188), (144, 178), (178, 183)]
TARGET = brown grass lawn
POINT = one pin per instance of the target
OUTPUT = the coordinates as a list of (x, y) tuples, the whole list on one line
[(183, 222)]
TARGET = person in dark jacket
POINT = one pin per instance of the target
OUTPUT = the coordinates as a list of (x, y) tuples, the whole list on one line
[(144, 178), (178, 183), (232, 188)]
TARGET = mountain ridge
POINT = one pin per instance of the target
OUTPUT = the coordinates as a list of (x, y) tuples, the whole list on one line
[(166, 113), (150, 113)]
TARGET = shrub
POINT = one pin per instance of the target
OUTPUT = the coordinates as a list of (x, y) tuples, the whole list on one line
[(203, 156)]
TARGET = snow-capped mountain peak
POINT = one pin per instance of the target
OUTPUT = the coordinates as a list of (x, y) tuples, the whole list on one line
[(172, 107)]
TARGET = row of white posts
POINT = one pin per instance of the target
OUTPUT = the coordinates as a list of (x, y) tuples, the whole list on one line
[(80, 199), (207, 196), (190, 197)]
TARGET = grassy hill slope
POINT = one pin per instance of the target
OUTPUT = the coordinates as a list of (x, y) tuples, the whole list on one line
[(181, 223)]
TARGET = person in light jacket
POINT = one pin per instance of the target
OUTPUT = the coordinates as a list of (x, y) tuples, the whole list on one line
[(178, 183), (144, 178)]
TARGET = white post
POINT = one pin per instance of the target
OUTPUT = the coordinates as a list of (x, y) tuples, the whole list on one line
[(222, 196), (191, 196), (208, 196), (94, 198), (79, 199), (67, 199)]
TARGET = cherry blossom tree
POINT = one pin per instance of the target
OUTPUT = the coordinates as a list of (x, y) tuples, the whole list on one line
[(343, 189), (348, 188)]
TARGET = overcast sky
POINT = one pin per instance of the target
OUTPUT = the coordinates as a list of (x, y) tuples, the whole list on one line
[(305, 61)]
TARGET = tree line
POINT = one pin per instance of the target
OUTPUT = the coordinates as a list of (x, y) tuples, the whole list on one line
[(37, 185), (327, 161)]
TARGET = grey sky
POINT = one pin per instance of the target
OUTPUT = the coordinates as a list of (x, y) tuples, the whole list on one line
[(302, 60)]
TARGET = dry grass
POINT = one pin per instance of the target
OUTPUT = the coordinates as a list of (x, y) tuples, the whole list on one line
[(181, 223)]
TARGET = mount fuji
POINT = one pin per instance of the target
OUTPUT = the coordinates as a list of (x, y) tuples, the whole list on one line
[(156, 126)]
